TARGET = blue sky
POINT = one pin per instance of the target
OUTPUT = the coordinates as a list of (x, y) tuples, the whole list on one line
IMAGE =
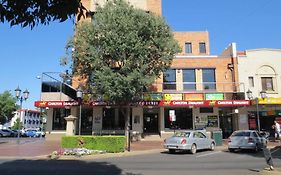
[(26, 53)]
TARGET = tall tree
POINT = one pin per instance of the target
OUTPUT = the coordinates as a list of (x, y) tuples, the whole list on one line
[(33, 12), (7, 106), (122, 51)]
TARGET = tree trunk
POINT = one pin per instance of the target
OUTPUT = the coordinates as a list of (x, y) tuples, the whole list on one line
[(127, 128)]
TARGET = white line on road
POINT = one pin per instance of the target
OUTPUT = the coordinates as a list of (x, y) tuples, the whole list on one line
[(203, 155), (274, 151)]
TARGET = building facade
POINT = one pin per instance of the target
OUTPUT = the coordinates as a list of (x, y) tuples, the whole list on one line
[(198, 91), (260, 70), (30, 119)]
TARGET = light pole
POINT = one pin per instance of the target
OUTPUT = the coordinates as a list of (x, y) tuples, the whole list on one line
[(79, 94), (20, 98), (250, 96)]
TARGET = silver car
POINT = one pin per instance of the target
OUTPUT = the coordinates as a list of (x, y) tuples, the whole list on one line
[(246, 139), (189, 140)]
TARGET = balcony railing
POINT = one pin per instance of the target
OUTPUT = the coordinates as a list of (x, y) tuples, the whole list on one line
[(52, 82)]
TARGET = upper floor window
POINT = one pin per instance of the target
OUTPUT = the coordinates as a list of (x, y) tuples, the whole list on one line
[(202, 47), (251, 81), (188, 47), (189, 81), (209, 79), (267, 83), (169, 79)]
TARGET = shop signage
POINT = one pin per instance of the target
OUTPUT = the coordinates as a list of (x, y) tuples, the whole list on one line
[(169, 97), (149, 103), (214, 96), (152, 96), (179, 103), (55, 103), (218, 103), (193, 97), (271, 101)]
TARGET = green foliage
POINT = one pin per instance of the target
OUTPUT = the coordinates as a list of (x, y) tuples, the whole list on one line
[(122, 51), (7, 106), (33, 12), (112, 144), (18, 124)]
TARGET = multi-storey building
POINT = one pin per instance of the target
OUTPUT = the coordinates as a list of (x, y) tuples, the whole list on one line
[(198, 91), (28, 118), (260, 70)]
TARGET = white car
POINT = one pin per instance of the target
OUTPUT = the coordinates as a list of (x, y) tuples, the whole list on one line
[(191, 140), (246, 139)]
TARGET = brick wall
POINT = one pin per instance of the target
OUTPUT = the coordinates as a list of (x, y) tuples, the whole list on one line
[(195, 38)]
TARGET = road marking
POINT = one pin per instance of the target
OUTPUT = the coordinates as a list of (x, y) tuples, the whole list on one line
[(274, 151), (203, 155)]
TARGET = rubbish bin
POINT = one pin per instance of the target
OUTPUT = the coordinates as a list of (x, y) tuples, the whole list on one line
[(217, 136)]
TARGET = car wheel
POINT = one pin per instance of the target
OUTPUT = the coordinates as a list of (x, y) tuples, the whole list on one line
[(193, 149), (256, 149), (212, 147), (172, 151), (231, 150)]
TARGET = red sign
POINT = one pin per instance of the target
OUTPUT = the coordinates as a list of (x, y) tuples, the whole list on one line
[(217, 103), (55, 103), (176, 103)]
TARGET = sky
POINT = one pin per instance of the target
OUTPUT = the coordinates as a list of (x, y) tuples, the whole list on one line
[(26, 54)]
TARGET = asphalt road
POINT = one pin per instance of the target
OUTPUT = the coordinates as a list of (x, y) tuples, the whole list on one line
[(207, 162)]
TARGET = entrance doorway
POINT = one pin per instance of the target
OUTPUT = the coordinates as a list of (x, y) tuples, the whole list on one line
[(150, 121), (226, 122), (86, 121)]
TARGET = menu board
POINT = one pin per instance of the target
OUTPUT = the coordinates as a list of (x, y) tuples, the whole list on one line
[(212, 121)]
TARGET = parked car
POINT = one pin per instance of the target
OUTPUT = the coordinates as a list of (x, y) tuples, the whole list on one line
[(189, 140), (246, 140), (30, 133), (34, 133), (5, 133)]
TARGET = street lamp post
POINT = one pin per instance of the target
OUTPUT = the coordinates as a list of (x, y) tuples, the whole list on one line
[(79, 94), (20, 98), (250, 96)]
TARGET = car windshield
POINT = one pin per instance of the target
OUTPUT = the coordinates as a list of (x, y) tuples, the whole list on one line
[(241, 134), (182, 134)]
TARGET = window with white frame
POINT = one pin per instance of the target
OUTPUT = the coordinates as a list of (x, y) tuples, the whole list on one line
[(251, 81), (267, 83), (188, 47)]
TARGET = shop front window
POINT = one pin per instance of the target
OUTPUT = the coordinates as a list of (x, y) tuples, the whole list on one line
[(113, 120), (59, 122), (182, 119)]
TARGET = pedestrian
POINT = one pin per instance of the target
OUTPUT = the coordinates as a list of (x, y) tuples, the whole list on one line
[(276, 127)]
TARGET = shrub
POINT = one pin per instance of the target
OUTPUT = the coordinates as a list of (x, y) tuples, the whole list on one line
[(112, 144)]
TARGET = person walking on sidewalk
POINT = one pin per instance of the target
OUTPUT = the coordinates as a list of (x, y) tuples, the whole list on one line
[(276, 127)]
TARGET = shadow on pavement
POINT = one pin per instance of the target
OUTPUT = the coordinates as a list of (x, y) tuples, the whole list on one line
[(59, 167)]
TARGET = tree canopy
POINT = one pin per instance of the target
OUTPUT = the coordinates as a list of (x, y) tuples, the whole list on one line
[(34, 12), (7, 106), (122, 51)]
